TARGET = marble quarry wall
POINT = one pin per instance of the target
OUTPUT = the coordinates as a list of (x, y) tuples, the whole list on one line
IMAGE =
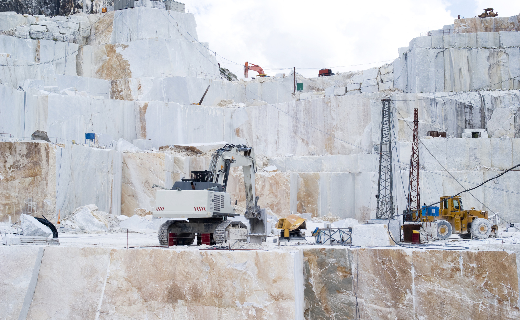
[(317, 283), (27, 179), (472, 25), (134, 74), (459, 62), (88, 175), (41, 178), (114, 283), (44, 7)]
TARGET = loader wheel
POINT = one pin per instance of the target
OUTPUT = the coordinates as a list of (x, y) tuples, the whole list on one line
[(480, 228), (443, 230)]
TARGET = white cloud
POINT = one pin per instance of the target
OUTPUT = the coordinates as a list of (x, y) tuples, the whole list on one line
[(313, 34)]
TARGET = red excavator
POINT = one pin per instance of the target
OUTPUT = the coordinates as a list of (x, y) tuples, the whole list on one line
[(253, 67)]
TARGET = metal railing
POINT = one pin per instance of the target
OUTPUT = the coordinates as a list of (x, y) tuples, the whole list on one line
[(334, 236)]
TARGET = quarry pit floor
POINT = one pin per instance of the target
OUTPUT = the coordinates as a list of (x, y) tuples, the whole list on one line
[(135, 240)]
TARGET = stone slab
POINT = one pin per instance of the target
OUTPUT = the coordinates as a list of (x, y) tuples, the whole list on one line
[(488, 40), (486, 283), (383, 284), (371, 235), (328, 280), (155, 283), (509, 39), (434, 284), (70, 283), (31, 187), (16, 272)]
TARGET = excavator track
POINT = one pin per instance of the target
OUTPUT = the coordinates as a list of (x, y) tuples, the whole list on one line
[(162, 234), (220, 235)]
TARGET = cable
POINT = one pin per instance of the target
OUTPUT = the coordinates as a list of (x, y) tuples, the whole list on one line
[(420, 141), (347, 66), (40, 63), (465, 190)]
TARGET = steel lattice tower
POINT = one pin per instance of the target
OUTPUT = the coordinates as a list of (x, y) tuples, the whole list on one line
[(414, 197), (385, 201)]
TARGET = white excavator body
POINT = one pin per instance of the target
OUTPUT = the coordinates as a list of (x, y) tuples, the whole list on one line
[(199, 207), (186, 204)]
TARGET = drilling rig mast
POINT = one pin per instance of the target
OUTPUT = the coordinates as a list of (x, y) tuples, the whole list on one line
[(414, 197), (385, 202)]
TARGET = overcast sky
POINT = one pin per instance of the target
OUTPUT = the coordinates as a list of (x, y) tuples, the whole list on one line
[(309, 35)]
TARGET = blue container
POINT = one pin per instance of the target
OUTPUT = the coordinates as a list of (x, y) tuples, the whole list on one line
[(430, 211), (90, 136)]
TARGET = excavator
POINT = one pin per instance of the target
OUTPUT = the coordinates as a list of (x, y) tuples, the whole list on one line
[(253, 67), (200, 206), (488, 13)]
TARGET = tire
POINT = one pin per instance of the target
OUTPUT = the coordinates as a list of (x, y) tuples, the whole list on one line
[(444, 229), (162, 233), (480, 228)]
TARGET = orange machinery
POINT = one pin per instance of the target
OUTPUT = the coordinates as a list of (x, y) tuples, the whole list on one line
[(253, 67)]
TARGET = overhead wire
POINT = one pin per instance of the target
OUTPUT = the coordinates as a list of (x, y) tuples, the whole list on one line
[(453, 177)]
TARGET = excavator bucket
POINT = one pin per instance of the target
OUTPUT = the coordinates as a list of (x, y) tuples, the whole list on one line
[(290, 224)]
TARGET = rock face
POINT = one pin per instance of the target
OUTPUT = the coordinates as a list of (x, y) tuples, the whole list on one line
[(317, 283), (16, 272), (134, 74), (459, 62), (48, 7), (473, 25), (329, 291), (165, 283), (140, 172), (27, 179), (32, 227), (396, 284), (40, 135)]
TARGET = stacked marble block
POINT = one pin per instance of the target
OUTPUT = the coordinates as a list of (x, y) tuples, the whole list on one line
[(459, 62), (304, 283)]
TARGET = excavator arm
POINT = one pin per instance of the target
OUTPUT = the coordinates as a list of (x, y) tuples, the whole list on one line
[(253, 67), (236, 156), (240, 156)]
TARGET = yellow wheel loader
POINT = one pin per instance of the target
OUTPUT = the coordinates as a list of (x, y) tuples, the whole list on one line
[(450, 217)]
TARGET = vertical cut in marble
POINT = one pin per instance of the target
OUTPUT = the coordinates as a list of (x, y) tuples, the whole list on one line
[(328, 284)]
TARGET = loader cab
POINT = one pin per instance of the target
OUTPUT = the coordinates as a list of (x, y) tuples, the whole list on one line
[(457, 204), (449, 204)]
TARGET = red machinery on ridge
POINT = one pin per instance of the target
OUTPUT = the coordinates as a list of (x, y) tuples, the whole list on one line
[(253, 67)]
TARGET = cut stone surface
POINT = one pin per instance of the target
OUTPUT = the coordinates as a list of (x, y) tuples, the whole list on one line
[(70, 287), (371, 235), (32, 227), (329, 292), (32, 183), (232, 285), (432, 284), (16, 271)]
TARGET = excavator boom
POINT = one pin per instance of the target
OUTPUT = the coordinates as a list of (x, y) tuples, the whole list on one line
[(253, 67)]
